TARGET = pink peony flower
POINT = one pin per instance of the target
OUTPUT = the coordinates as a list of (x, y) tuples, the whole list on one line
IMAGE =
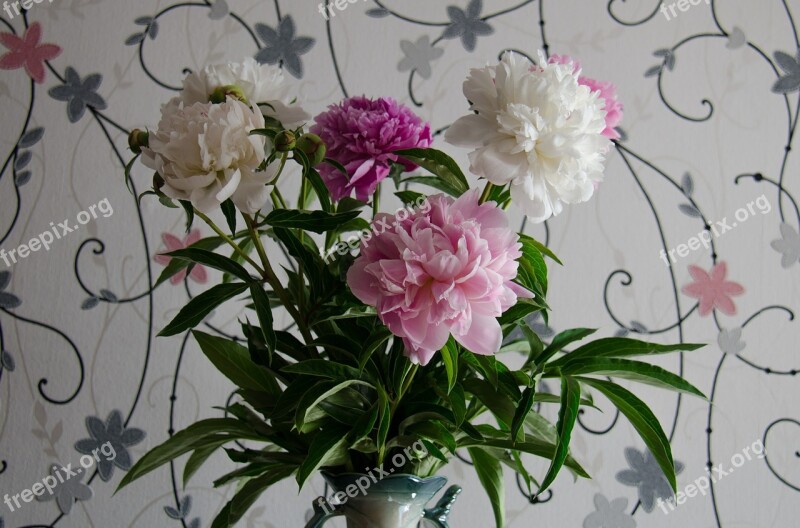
[(362, 135), (447, 270), (608, 92), (712, 290)]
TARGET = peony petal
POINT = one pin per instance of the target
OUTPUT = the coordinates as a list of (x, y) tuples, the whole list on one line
[(470, 131), (483, 337)]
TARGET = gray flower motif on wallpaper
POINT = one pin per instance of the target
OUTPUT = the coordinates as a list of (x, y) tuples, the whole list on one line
[(7, 300), (790, 82), (646, 475), (67, 492), (114, 432), (467, 25), (788, 246), (609, 514), (730, 341), (418, 56), (79, 94), (282, 46), (182, 513)]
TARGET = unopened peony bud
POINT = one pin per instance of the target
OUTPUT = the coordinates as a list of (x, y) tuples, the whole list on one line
[(221, 94), (313, 147), (138, 139), (285, 141)]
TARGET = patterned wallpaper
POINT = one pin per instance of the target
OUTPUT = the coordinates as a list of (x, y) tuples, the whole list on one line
[(692, 237)]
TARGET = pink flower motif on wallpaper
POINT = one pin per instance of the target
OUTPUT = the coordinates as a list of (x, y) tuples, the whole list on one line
[(712, 290), (173, 243), (27, 52)]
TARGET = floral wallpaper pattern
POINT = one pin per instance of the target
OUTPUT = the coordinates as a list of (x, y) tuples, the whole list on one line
[(707, 148)]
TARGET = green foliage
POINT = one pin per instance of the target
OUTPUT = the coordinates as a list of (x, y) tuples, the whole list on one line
[(338, 392)]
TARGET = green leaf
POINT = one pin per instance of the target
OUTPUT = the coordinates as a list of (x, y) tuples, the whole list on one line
[(233, 360), (561, 340), (324, 369), (196, 436), (198, 308), (450, 359), (621, 347), (212, 260), (532, 446), (522, 309), (229, 210), (376, 340), (409, 197), (189, 210), (490, 473), (314, 221), (199, 457), (631, 370), (434, 182), (320, 189), (384, 420), (523, 408), (567, 416), (525, 239), (439, 164), (307, 412), (175, 266), (249, 494), (264, 313), (326, 446), (643, 420)]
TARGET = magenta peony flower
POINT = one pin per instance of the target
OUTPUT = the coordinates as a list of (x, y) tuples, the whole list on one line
[(608, 92), (362, 135), (447, 270)]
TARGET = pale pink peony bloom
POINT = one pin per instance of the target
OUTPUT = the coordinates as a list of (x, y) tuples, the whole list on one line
[(608, 92), (362, 134), (445, 271)]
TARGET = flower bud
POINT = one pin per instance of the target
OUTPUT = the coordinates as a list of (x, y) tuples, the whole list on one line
[(285, 141), (221, 94), (313, 147), (138, 139)]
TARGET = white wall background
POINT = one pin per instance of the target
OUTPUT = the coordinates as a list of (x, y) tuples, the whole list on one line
[(66, 370)]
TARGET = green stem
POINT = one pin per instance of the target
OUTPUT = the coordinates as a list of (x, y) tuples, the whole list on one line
[(229, 240), (487, 191), (272, 280), (376, 201)]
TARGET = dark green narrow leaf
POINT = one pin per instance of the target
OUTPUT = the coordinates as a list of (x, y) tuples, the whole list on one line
[(490, 473), (450, 359), (188, 208), (198, 308), (177, 265), (229, 210), (523, 408), (212, 260), (322, 449), (314, 221), (643, 420), (199, 457), (440, 164), (233, 360), (561, 340), (621, 347), (264, 313), (632, 370), (375, 341), (567, 416)]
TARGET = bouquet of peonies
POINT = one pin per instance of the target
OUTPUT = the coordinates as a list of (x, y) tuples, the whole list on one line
[(398, 319)]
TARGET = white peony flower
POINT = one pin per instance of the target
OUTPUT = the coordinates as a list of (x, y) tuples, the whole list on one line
[(260, 83), (537, 129), (205, 155)]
